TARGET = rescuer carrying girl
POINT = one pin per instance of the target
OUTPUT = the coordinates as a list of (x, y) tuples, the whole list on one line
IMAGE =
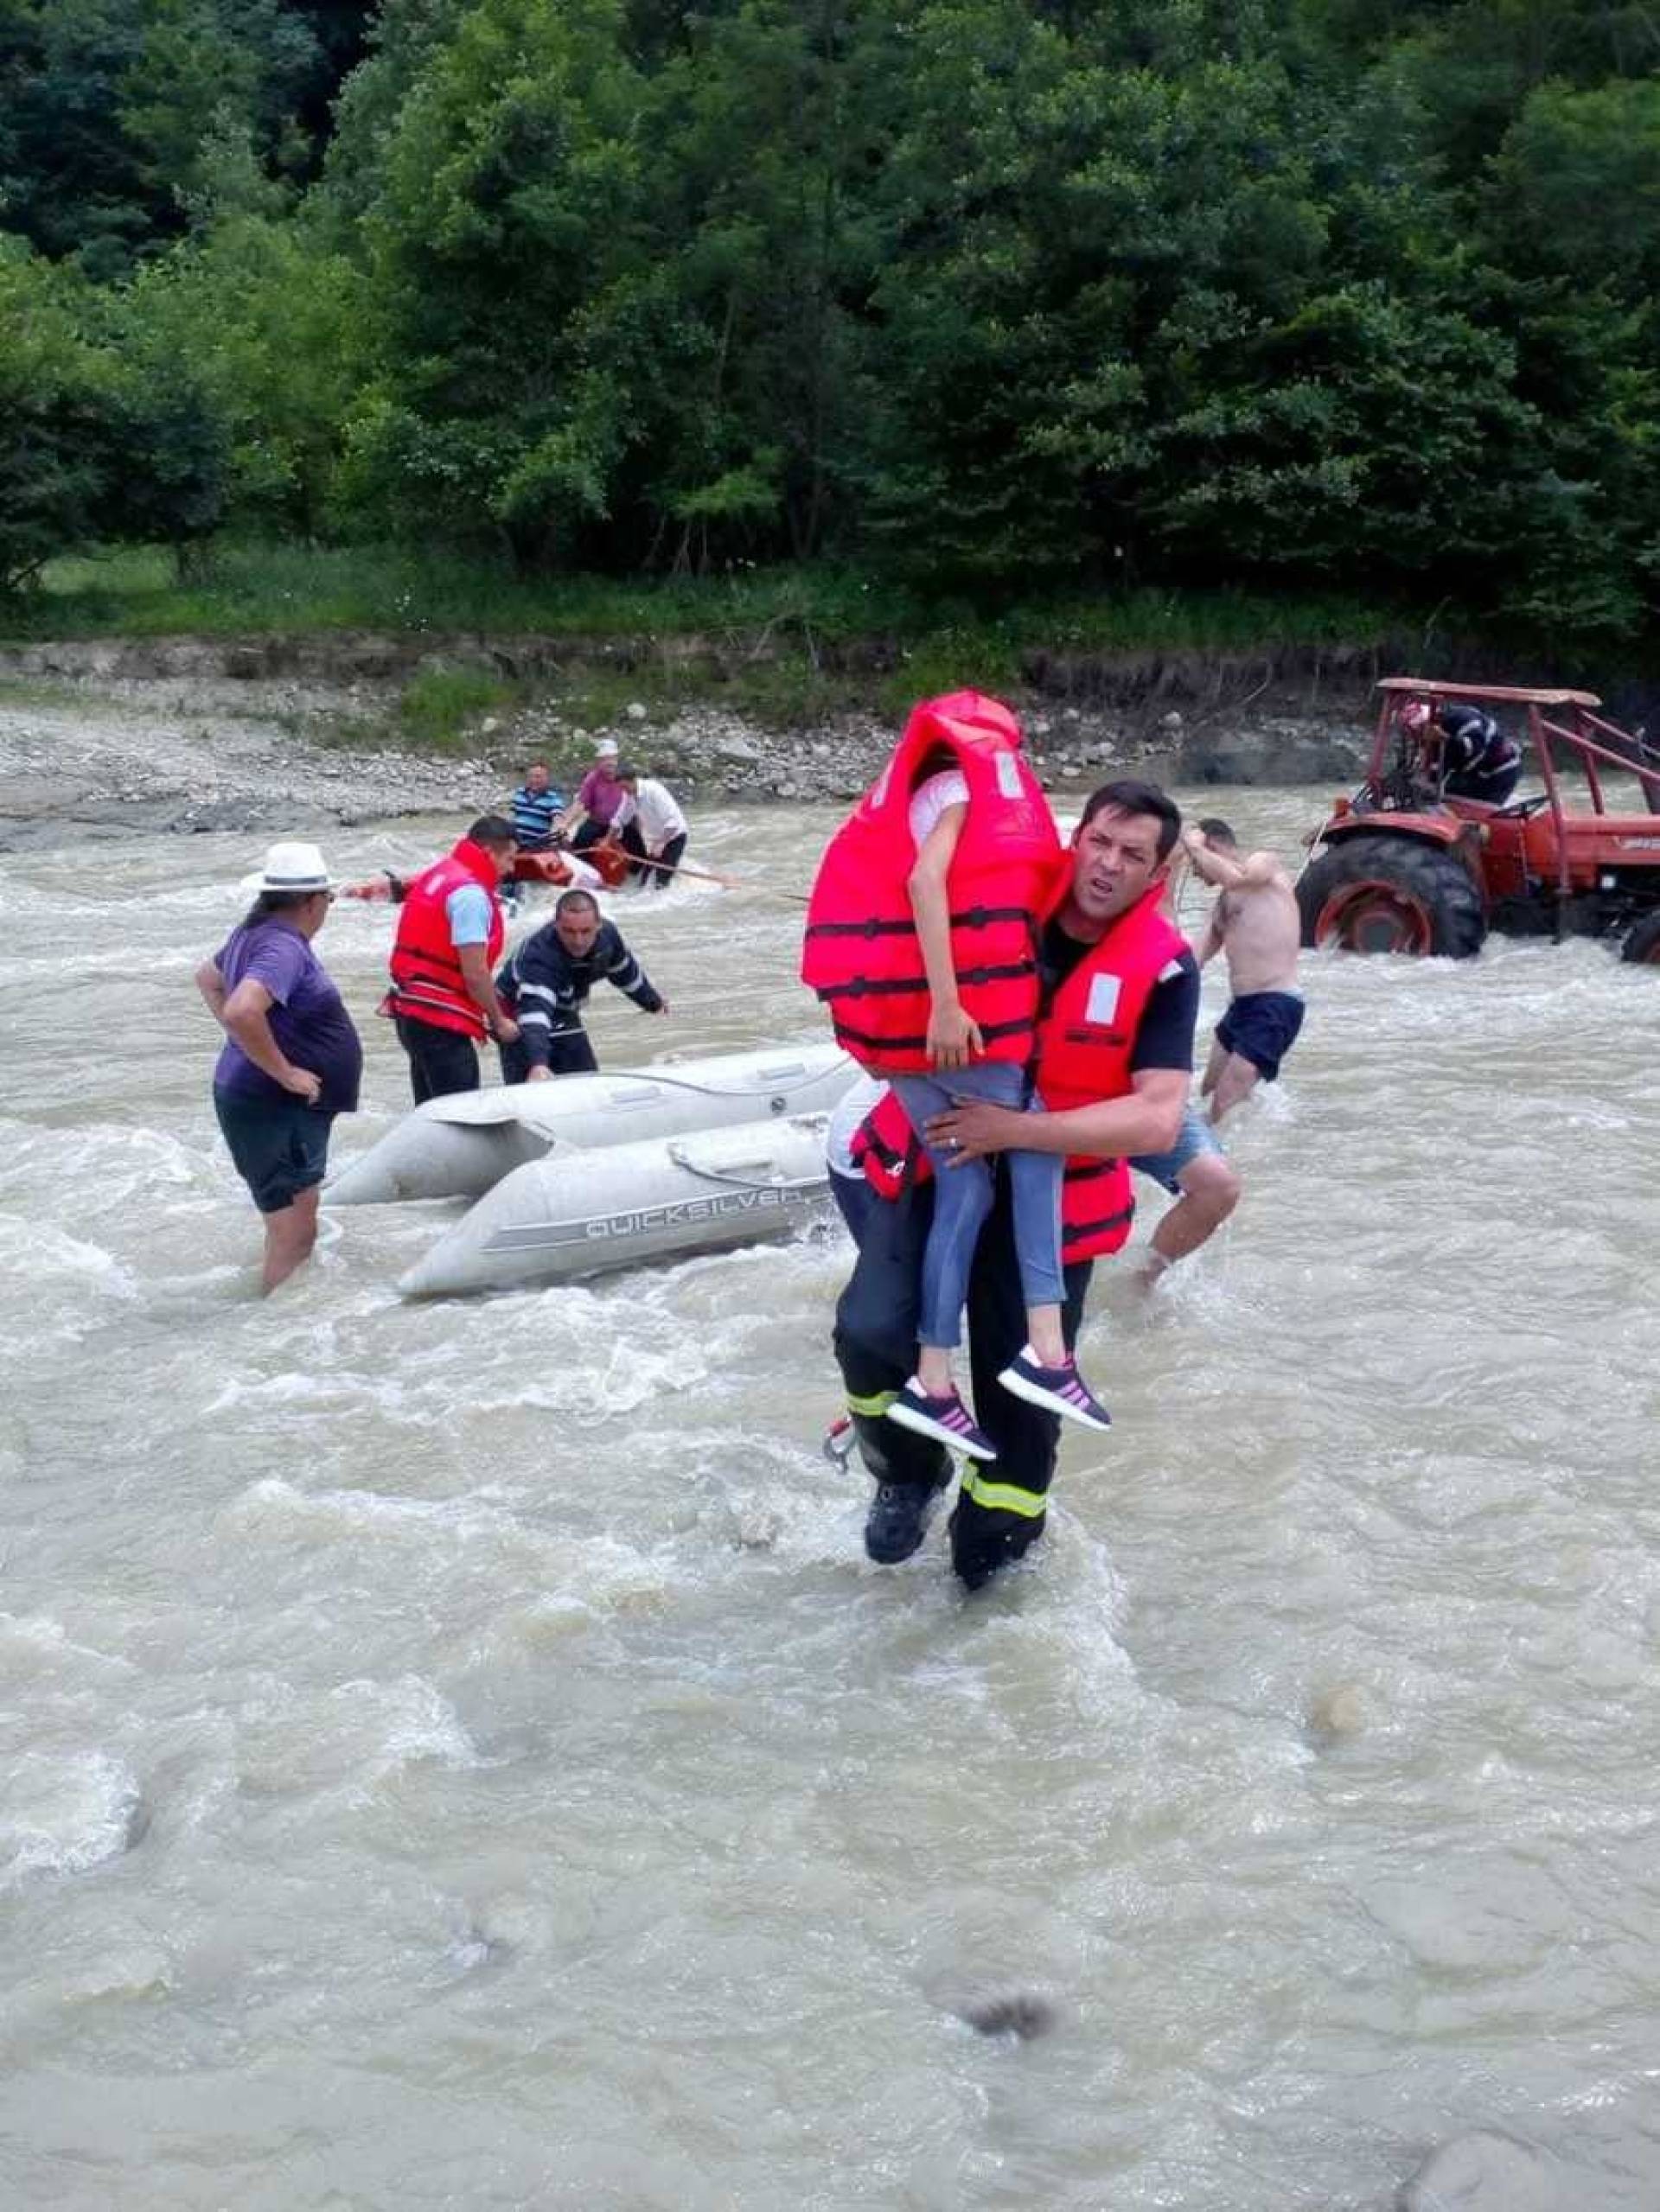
[(921, 937)]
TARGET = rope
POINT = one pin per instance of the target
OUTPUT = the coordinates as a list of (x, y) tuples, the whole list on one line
[(766, 1079), (727, 882), (1313, 847)]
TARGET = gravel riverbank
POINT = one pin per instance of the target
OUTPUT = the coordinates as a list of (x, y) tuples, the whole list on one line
[(109, 753)]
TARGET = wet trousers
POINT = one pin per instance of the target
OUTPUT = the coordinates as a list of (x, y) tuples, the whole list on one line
[(1000, 1512)]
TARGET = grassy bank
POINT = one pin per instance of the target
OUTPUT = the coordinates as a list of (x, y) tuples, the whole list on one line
[(138, 592), (785, 643)]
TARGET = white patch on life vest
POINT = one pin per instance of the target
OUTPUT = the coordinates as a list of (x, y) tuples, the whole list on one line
[(1103, 1002), (879, 788), (1008, 776)]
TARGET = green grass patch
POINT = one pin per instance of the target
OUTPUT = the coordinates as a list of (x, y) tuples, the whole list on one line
[(240, 588), (440, 708), (769, 613)]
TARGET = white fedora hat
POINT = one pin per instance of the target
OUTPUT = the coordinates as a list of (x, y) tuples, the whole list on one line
[(606, 748), (293, 865)]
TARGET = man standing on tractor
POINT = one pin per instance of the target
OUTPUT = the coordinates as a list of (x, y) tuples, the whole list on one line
[(1477, 760), (1256, 922)]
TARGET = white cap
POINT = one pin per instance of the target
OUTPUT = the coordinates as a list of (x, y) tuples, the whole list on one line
[(606, 750), (293, 866)]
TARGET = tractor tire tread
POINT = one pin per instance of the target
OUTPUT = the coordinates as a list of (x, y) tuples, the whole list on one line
[(1442, 884)]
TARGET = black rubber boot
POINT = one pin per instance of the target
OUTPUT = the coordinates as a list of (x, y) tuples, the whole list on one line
[(982, 1542), (910, 1473), (898, 1518)]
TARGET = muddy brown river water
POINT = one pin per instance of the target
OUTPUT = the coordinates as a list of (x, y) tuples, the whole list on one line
[(457, 1755)]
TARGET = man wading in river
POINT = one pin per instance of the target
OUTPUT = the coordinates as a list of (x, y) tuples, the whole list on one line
[(1114, 1056), (1256, 922)]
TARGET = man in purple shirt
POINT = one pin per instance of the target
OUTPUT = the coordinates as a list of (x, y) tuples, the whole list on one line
[(292, 1060), (599, 798)]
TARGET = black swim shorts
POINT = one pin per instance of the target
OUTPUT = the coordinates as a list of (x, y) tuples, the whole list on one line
[(280, 1147), (1261, 1027)]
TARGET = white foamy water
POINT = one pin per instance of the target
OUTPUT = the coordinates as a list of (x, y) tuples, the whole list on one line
[(457, 1755)]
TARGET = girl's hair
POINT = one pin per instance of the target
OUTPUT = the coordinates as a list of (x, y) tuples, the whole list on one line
[(934, 762), (270, 902)]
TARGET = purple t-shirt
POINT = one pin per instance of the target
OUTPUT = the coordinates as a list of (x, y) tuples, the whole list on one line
[(308, 1016), (600, 795)]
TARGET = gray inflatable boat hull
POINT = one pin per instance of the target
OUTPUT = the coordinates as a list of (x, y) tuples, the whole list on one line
[(460, 1147), (630, 1204)]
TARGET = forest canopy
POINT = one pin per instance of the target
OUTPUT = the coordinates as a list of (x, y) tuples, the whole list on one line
[(975, 295)]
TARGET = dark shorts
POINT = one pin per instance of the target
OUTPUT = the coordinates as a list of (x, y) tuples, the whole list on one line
[(280, 1147), (1261, 1027)]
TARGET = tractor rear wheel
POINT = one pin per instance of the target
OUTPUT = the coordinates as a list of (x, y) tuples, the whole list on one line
[(1391, 894), (1643, 942)]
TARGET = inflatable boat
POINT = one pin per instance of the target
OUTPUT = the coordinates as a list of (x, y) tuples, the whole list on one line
[(602, 866), (656, 1199), (459, 1147)]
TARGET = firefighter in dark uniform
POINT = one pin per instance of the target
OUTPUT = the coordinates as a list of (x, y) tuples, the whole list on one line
[(1115, 1061), (1477, 759)]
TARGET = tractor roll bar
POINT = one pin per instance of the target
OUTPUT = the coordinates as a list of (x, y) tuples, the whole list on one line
[(1437, 691)]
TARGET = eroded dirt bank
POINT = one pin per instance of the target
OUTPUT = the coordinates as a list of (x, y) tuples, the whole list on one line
[(100, 736)]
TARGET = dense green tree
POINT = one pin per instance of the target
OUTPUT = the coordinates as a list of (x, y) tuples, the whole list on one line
[(267, 326), (89, 450), (984, 292), (504, 223), (109, 108)]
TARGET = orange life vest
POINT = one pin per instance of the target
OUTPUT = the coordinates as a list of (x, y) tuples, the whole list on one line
[(861, 953), (427, 985), (1085, 1042)]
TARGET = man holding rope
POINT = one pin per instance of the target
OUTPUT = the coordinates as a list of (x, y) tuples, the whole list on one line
[(650, 826)]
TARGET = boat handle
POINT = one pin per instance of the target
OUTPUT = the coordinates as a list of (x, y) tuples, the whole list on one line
[(738, 1181)]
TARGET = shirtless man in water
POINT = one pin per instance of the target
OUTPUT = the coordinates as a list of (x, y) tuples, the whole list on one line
[(1255, 922)]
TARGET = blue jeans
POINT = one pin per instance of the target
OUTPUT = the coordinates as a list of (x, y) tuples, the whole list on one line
[(1197, 1138), (963, 1199)]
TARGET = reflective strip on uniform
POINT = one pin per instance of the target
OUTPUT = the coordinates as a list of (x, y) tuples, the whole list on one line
[(1003, 1497), (874, 1407)]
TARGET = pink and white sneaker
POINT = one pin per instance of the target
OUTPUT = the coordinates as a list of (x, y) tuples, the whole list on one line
[(947, 1420), (1058, 1390)]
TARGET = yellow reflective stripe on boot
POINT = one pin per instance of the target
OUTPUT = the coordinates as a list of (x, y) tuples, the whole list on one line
[(873, 1407), (1002, 1497)]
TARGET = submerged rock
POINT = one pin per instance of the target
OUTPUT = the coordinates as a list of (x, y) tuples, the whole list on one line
[(1336, 1715), (1022, 2013)]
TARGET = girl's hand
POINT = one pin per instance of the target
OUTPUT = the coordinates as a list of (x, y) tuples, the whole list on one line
[(953, 1039)]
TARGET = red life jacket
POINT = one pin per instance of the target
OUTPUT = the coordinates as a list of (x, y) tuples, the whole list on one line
[(1084, 1046), (427, 985), (861, 953)]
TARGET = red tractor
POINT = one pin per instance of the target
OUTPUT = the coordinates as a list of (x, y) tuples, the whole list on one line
[(1408, 867)]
